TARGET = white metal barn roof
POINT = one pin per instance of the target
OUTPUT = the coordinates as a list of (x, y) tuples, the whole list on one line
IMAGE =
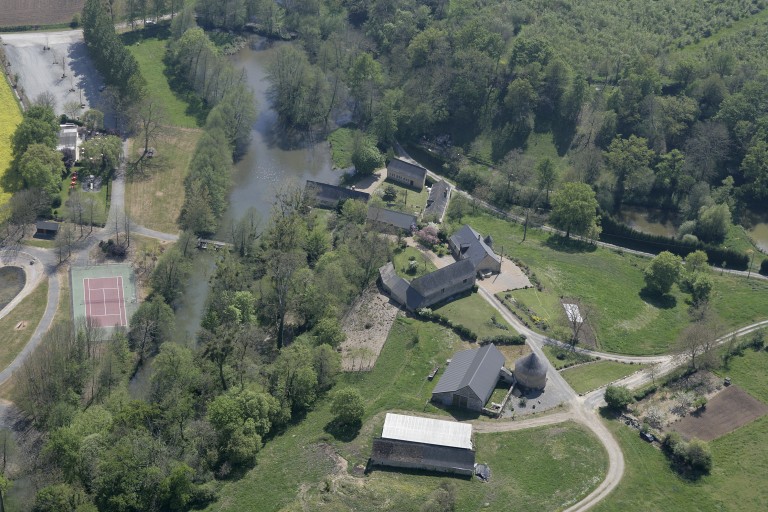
[(427, 430)]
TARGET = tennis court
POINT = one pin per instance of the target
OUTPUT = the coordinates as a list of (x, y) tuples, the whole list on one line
[(105, 295)]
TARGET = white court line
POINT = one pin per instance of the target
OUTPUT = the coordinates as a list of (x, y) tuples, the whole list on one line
[(121, 300)]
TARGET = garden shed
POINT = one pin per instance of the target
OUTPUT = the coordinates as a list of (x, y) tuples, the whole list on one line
[(470, 378)]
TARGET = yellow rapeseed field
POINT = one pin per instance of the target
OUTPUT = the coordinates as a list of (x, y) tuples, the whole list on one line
[(10, 117)]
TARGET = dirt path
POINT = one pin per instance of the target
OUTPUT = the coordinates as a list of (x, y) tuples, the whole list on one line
[(485, 427)]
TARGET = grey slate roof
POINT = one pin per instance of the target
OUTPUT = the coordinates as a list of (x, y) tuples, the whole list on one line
[(415, 171), (477, 368), (428, 456), (401, 220), (444, 277), (332, 193), (398, 287), (47, 225), (438, 200), (472, 245)]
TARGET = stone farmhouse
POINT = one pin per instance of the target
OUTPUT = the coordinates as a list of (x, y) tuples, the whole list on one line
[(470, 378), (407, 173), (430, 289), (468, 244)]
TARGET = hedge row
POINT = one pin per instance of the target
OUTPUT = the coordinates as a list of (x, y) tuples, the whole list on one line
[(620, 234), (505, 339), (462, 330)]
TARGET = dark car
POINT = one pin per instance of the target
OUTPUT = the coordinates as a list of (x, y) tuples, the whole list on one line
[(647, 436)]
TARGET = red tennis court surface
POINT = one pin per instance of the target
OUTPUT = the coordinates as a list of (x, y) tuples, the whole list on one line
[(104, 301)]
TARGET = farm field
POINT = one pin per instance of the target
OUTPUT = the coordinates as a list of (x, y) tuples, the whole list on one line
[(623, 320), (38, 12), (591, 376), (10, 117), (727, 411), (303, 456)]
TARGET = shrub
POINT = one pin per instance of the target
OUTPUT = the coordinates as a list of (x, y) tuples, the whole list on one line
[(764, 267), (348, 407), (618, 397)]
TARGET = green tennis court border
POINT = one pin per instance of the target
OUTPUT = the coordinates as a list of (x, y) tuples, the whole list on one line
[(78, 274)]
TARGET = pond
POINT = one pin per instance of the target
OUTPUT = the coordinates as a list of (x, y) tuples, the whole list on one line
[(649, 220), (12, 281), (271, 161)]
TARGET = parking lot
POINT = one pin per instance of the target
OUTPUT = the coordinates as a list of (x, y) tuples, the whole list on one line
[(56, 62)]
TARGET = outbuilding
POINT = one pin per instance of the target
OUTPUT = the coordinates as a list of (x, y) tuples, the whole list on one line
[(382, 217), (424, 443), (46, 228), (407, 172), (530, 372), (470, 378), (329, 196)]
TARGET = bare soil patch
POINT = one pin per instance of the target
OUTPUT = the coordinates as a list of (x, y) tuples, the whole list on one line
[(728, 410), (367, 326), (38, 12), (21, 325)]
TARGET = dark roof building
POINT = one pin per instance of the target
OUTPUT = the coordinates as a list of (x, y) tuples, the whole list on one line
[(407, 172), (430, 289), (399, 220), (46, 228), (470, 378), (329, 196), (424, 443), (468, 244), (437, 202), (404, 454)]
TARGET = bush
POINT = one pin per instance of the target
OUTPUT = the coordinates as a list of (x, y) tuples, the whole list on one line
[(348, 407), (504, 339), (694, 455), (618, 397), (764, 267)]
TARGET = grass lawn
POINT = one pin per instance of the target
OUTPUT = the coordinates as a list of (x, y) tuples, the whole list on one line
[(737, 483), (591, 376), (29, 310), (155, 201), (408, 200), (401, 261), (341, 141), (475, 313), (542, 145), (748, 372), (564, 357), (149, 54), (10, 117), (100, 214), (39, 242), (623, 320)]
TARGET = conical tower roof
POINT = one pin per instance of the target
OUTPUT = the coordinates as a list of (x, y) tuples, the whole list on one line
[(531, 365)]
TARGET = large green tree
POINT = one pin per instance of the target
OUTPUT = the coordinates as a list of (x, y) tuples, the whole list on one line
[(574, 210), (662, 272), (41, 167), (629, 160)]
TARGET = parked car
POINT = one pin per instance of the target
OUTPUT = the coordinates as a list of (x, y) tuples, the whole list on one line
[(647, 436)]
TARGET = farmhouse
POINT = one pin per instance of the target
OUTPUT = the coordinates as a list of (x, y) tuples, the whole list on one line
[(439, 195), (470, 378), (468, 244), (69, 139), (430, 289), (329, 196), (424, 443), (382, 217), (46, 228), (407, 172)]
